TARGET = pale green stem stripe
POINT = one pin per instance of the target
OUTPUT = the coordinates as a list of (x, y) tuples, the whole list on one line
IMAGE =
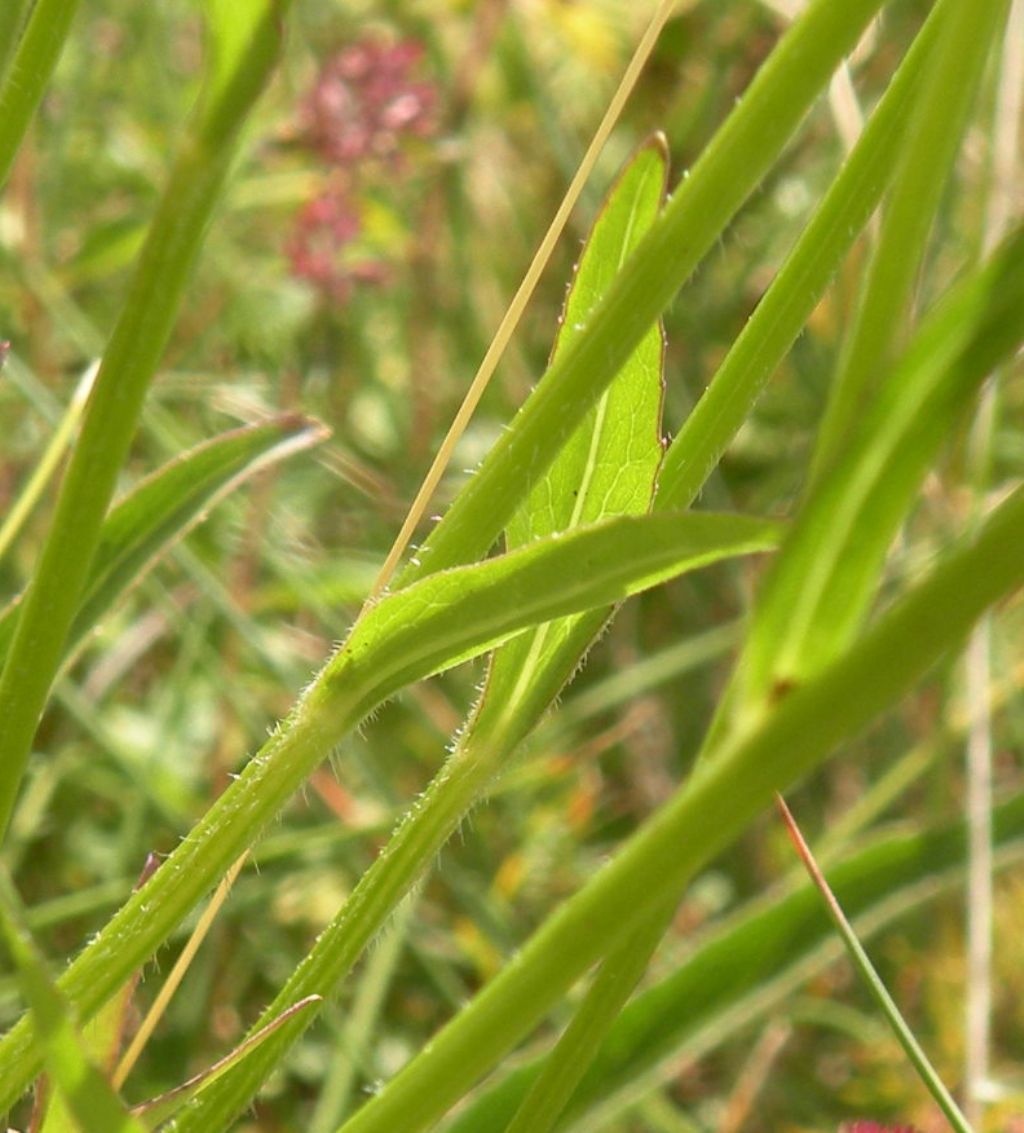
[(46, 466), (12, 23)]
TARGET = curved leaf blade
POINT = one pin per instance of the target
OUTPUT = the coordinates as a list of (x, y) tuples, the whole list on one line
[(165, 506), (457, 614)]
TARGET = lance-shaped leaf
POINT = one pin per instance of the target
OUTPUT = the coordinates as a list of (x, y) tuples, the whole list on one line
[(749, 962), (458, 614), (607, 468), (167, 505), (89, 1097), (730, 168)]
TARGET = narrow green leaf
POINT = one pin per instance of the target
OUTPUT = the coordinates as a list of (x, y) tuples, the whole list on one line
[(819, 588), (457, 614), (137, 343), (29, 65), (90, 1098), (934, 131), (243, 43), (703, 817), (784, 309), (544, 1102), (607, 467), (749, 962), (446, 618), (741, 153), (166, 506)]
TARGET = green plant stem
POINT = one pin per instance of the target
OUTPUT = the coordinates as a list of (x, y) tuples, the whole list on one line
[(732, 166), (405, 637), (362, 1023), (414, 845), (213, 843), (849, 205), (721, 798), (565, 1067), (136, 346), (29, 69), (925, 162), (785, 307)]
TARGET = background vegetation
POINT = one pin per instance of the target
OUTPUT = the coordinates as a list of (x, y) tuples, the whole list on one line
[(397, 177)]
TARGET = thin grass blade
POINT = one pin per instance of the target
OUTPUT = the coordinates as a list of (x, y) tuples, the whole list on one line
[(934, 133), (879, 992), (153, 298), (784, 309), (26, 66), (818, 590)]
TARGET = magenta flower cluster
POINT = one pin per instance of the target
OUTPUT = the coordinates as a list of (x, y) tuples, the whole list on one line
[(365, 105)]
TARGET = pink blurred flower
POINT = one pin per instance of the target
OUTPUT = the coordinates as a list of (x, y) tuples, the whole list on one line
[(319, 249), (367, 100)]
